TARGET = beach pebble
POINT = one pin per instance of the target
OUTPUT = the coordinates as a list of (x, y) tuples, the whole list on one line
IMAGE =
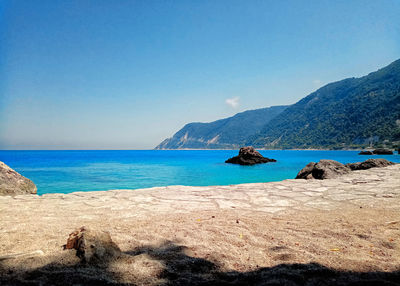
[(92, 246)]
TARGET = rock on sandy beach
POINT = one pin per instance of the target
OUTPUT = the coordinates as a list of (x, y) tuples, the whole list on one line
[(93, 246), (324, 169), (329, 169), (370, 163), (12, 183)]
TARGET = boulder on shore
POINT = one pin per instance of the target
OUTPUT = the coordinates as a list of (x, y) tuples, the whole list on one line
[(12, 183), (382, 151), (94, 247), (324, 169), (370, 163), (249, 156), (328, 169)]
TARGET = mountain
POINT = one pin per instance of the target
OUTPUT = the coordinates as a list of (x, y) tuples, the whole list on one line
[(353, 111), (226, 133)]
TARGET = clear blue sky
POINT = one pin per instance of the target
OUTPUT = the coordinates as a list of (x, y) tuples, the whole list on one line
[(127, 74)]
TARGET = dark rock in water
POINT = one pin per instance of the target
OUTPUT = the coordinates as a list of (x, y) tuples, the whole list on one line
[(249, 156), (366, 153), (370, 163), (324, 169), (12, 183), (382, 151), (93, 247)]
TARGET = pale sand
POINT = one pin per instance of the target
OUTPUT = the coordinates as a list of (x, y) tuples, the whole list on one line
[(337, 231)]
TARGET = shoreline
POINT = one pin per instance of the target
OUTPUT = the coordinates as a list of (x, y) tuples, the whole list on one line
[(181, 234), (270, 197), (195, 149), (161, 188), (144, 169), (276, 186), (179, 186)]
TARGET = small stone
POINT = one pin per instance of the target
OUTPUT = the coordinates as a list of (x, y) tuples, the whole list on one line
[(92, 246)]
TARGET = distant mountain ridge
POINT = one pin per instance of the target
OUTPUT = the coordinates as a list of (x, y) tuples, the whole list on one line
[(353, 111), (347, 113), (226, 133)]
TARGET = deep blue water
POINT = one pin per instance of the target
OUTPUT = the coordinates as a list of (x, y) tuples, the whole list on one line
[(69, 171)]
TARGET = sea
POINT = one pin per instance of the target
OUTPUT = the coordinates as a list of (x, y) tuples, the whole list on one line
[(72, 171)]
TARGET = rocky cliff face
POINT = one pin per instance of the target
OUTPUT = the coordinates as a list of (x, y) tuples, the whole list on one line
[(12, 183)]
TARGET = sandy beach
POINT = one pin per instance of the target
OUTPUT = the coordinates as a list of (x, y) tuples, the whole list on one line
[(343, 231)]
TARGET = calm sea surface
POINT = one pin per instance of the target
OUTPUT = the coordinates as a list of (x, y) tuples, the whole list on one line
[(69, 171)]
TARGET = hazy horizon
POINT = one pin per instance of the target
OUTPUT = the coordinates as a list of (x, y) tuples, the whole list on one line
[(125, 75)]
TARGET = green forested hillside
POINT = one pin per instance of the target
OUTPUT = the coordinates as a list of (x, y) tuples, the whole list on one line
[(353, 111), (230, 132)]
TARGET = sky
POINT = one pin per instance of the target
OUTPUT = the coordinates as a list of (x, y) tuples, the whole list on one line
[(128, 74)]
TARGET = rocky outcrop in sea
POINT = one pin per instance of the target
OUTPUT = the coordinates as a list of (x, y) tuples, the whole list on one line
[(382, 151), (249, 156), (366, 153)]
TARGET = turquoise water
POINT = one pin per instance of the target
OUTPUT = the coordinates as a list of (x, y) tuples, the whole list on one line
[(70, 171)]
